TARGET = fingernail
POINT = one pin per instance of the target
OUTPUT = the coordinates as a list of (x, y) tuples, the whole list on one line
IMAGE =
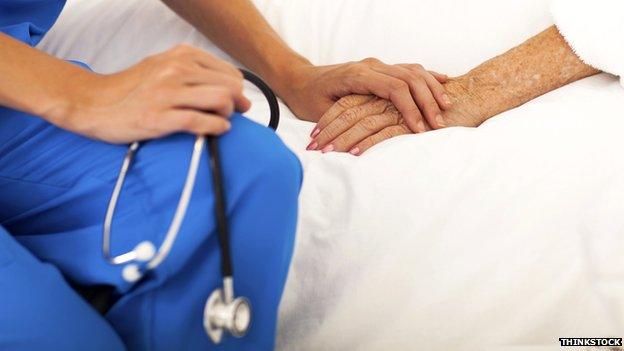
[(421, 126), (313, 146), (447, 99), (355, 151), (440, 121), (328, 148), (315, 132)]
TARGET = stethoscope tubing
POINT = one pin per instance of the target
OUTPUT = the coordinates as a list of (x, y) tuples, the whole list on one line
[(220, 208)]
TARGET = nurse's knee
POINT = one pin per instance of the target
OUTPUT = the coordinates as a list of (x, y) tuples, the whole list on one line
[(268, 159)]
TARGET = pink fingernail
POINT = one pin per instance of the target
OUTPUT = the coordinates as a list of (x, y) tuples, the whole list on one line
[(313, 146), (355, 151), (315, 132), (328, 148)]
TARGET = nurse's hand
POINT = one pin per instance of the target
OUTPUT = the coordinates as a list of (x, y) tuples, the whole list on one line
[(417, 93), (181, 90)]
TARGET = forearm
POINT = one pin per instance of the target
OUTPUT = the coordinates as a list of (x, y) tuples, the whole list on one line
[(539, 65), (238, 28), (35, 82)]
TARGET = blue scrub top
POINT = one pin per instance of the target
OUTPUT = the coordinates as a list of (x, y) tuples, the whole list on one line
[(28, 20)]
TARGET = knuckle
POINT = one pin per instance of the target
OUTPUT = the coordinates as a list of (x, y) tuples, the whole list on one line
[(237, 86), (398, 85), (385, 134), (418, 79), (171, 69), (353, 101), (388, 119), (346, 101), (371, 61), (220, 95), (352, 69), (182, 48), (370, 123), (349, 115), (376, 105), (238, 74), (395, 118), (362, 72), (187, 122), (389, 107)]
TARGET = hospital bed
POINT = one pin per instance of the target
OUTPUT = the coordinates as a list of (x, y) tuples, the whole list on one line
[(509, 235)]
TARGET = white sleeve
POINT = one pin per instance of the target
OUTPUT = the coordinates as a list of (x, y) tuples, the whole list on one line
[(595, 31)]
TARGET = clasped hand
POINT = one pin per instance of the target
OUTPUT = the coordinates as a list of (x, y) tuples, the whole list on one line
[(355, 123)]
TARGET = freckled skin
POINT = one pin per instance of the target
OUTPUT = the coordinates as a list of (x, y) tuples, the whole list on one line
[(541, 64)]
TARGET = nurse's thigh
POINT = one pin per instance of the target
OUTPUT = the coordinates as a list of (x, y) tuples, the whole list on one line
[(39, 311)]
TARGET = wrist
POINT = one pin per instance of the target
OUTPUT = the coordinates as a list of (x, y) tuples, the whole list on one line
[(78, 92), (284, 77), (84, 96), (471, 104)]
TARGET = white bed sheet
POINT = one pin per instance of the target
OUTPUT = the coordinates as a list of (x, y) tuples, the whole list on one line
[(506, 235)]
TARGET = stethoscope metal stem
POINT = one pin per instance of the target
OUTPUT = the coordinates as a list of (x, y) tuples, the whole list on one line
[(176, 222), (110, 211), (185, 199)]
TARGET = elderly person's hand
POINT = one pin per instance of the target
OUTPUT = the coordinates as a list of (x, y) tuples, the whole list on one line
[(357, 122), (417, 93)]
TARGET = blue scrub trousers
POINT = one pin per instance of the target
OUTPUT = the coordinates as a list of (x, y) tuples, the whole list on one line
[(54, 190)]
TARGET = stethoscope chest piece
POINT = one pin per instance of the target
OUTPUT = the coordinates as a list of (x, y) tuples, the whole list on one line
[(220, 315)]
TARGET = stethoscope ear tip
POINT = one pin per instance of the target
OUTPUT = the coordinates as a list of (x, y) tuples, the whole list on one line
[(131, 273), (145, 251)]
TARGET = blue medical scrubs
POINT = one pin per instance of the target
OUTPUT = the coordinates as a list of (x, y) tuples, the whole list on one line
[(54, 189)]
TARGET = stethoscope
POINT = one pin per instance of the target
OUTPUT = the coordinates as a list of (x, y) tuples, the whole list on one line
[(223, 311)]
